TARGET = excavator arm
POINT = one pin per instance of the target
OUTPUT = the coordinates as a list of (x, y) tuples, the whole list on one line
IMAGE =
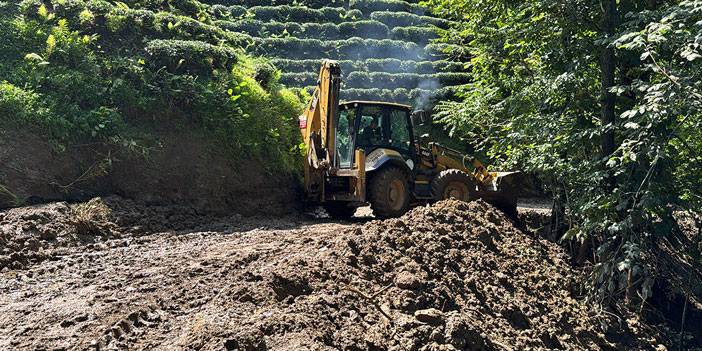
[(318, 129)]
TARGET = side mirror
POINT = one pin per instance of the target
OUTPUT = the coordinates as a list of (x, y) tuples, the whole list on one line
[(421, 117)]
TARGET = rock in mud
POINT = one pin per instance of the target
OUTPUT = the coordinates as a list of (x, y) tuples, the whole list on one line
[(430, 316)]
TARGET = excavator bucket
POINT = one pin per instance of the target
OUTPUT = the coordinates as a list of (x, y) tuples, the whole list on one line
[(504, 193)]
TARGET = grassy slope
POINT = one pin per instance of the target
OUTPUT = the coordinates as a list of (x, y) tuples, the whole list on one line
[(128, 77)]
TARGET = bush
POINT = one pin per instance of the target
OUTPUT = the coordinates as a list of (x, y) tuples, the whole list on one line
[(403, 19), (353, 48), (370, 6), (416, 98), (306, 3), (369, 65), (415, 34), (189, 56), (228, 12), (326, 31), (299, 79), (20, 106), (298, 14), (382, 80), (403, 80), (266, 74)]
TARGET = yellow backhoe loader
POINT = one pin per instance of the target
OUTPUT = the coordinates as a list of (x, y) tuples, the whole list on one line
[(361, 152)]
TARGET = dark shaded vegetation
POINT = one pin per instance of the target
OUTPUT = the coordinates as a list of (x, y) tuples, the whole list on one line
[(601, 99)]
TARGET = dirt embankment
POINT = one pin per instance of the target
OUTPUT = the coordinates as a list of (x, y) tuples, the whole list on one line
[(452, 276), (182, 168)]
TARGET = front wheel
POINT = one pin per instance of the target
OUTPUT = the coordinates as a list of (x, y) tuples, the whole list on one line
[(453, 184), (389, 193)]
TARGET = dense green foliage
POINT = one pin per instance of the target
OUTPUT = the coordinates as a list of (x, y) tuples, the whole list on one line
[(540, 101), (96, 71)]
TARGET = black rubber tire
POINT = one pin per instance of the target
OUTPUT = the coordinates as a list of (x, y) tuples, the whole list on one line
[(339, 210), (453, 183), (383, 186)]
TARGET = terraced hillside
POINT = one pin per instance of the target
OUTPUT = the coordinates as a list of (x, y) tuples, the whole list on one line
[(385, 47)]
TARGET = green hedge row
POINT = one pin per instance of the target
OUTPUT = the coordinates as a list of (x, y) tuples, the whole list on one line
[(368, 29), (415, 34), (371, 65), (404, 19), (307, 3), (358, 79), (370, 6), (349, 49), (285, 13), (383, 79), (189, 56), (366, 6), (413, 97), (327, 31), (228, 12)]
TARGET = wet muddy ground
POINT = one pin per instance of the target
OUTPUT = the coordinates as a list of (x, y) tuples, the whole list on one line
[(453, 276)]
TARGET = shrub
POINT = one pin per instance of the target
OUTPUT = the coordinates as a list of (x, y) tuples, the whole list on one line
[(415, 34), (266, 74), (415, 97), (404, 80), (353, 48), (307, 3), (403, 19), (370, 6), (326, 31), (364, 29), (18, 105), (228, 12), (298, 14), (370, 65), (92, 218), (81, 87), (192, 56), (299, 79)]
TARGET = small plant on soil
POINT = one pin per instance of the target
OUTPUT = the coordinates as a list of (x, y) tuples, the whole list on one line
[(92, 218)]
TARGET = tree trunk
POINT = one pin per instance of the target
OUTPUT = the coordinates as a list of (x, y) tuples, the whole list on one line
[(608, 64)]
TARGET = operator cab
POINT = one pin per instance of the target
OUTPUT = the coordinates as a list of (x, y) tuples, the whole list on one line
[(371, 126)]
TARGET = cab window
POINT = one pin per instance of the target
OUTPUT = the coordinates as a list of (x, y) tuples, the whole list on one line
[(344, 137), (399, 130), (372, 126)]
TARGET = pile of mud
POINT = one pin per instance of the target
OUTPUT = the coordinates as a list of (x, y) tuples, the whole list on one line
[(452, 276)]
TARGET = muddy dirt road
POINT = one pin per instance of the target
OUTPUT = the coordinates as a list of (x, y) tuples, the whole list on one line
[(152, 291), (448, 277)]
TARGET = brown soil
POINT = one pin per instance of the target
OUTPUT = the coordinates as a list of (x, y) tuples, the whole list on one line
[(183, 168), (445, 277)]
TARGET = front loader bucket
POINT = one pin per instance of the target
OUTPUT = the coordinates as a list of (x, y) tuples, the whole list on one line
[(504, 192)]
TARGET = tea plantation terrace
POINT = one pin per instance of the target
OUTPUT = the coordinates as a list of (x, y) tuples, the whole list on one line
[(386, 48)]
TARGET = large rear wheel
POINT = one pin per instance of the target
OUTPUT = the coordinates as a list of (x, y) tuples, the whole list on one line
[(389, 193), (453, 184)]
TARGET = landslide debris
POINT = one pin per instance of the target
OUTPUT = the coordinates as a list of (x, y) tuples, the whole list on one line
[(451, 276)]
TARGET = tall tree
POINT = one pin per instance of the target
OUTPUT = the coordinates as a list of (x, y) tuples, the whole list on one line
[(608, 65), (546, 97)]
